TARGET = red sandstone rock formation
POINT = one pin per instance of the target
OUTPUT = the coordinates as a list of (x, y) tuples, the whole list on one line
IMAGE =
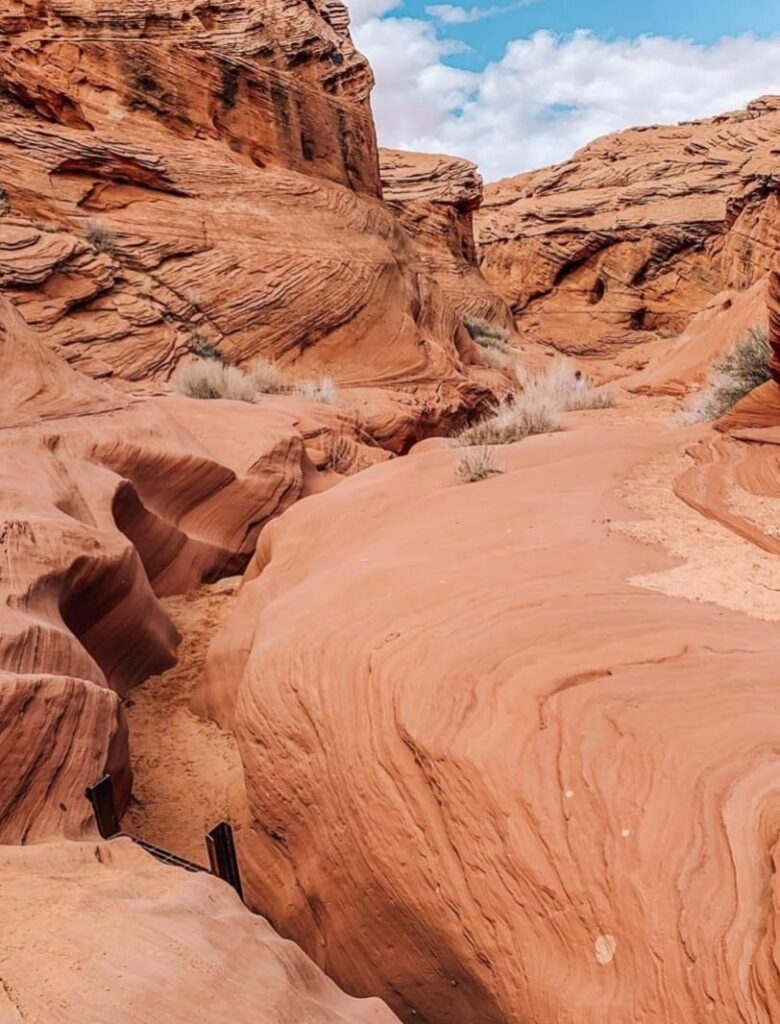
[(435, 198), (640, 231), (504, 763), (101, 931), (107, 501), (174, 172), (468, 726), (774, 321)]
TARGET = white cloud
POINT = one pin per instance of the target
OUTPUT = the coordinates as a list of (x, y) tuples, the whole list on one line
[(363, 10), (450, 14), (548, 95)]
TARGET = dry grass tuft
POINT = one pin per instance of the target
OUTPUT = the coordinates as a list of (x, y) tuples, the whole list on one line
[(743, 368), (537, 409), (342, 457), (322, 390), (267, 379), (476, 464), (211, 377), (486, 334), (567, 388), (499, 359), (206, 349), (513, 421), (208, 378), (100, 237)]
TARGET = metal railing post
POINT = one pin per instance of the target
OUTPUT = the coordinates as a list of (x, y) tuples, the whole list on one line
[(101, 795), (222, 856)]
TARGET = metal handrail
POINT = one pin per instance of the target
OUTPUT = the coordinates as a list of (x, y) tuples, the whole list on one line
[(220, 845)]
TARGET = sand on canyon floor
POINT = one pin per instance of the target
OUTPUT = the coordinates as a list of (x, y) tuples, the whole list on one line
[(187, 772), (716, 565)]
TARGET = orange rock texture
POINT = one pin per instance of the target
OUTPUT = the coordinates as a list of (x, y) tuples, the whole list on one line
[(174, 176), (774, 322), (435, 198), (101, 932), (640, 231), (107, 501), (505, 762), (176, 173), (510, 750)]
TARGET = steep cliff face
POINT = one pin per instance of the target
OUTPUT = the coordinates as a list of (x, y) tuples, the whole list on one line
[(435, 198), (640, 231), (184, 171)]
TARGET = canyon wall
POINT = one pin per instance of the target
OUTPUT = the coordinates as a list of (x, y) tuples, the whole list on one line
[(470, 719), (435, 198), (176, 174), (108, 501), (613, 253)]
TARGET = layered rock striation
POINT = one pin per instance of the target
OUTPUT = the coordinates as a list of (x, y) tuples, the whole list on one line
[(435, 198), (177, 174), (504, 762), (179, 177), (108, 501), (639, 232)]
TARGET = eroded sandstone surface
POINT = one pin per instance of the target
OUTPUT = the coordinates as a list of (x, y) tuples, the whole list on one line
[(494, 753), (102, 932), (435, 198), (175, 176), (621, 246), (108, 501), (506, 760), (177, 173)]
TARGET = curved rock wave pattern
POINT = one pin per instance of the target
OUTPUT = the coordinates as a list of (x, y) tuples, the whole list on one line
[(492, 775)]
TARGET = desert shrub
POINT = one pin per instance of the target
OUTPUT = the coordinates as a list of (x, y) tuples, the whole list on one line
[(99, 237), (569, 389), (342, 457), (206, 349), (322, 390), (267, 379), (486, 334), (476, 464), (208, 378), (744, 367), (512, 421), (537, 408), (498, 358)]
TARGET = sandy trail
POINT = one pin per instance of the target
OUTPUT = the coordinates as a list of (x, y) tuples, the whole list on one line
[(187, 772)]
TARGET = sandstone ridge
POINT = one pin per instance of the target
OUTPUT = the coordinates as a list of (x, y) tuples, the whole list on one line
[(613, 253)]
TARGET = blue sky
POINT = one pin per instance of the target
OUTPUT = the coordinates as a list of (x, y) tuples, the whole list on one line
[(513, 84), (702, 20)]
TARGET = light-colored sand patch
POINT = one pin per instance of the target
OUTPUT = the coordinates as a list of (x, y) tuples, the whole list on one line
[(718, 566), (187, 772), (760, 510)]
